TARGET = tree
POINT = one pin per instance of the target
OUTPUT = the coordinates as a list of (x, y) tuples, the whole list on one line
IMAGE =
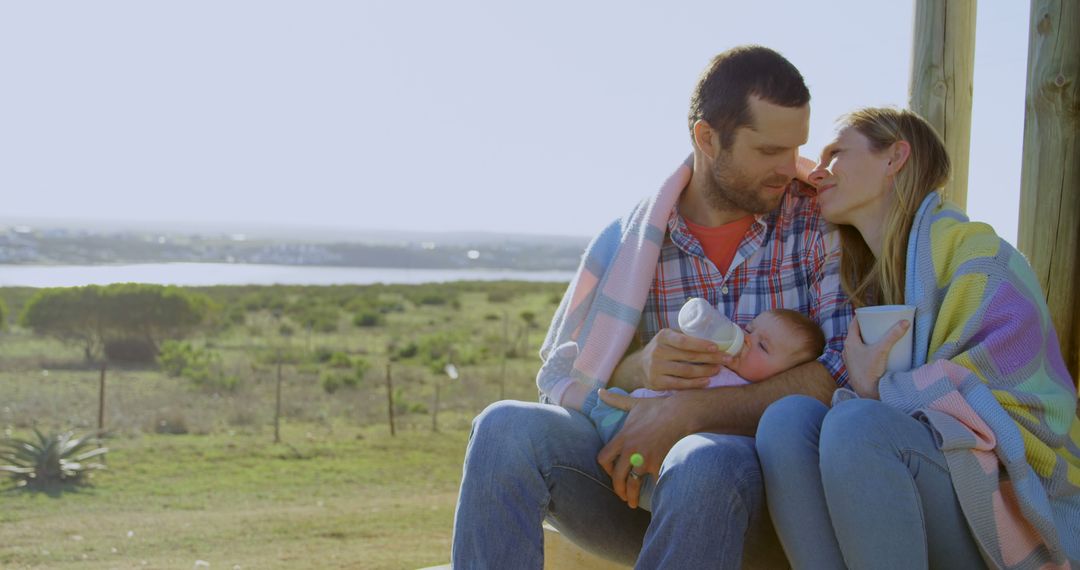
[(69, 314), (152, 313), (90, 316)]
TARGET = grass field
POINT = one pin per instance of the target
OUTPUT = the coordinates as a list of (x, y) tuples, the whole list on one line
[(341, 498), (193, 472)]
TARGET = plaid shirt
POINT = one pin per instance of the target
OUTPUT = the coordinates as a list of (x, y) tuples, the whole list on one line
[(790, 258)]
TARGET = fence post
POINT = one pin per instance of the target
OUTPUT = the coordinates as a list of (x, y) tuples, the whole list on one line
[(505, 348), (435, 408), (390, 398), (277, 406), (101, 399)]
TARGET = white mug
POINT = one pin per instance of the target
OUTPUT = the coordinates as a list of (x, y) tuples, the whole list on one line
[(875, 321)]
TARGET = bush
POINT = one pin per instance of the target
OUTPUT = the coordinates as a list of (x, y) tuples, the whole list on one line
[(333, 381), (130, 350), (236, 316), (88, 316), (50, 460), (203, 367), (367, 319), (340, 360), (408, 351), (361, 366)]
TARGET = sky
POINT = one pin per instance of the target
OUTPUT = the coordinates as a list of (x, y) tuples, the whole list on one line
[(547, 117)]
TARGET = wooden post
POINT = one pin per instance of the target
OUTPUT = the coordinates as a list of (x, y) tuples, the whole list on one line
[(505, 348), (390, 397), (435, 407), (277, 406), (101, 400), (942, 68), (1049, 232)]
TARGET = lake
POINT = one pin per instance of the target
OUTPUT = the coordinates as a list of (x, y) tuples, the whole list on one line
[(206, 274)]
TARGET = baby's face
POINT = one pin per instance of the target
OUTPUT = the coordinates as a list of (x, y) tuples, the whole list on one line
[(771, 347)]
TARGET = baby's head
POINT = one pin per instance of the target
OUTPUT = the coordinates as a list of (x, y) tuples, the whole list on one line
[(777, 340)]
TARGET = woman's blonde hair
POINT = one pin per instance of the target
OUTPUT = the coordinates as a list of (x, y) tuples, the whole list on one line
[(867, 280)]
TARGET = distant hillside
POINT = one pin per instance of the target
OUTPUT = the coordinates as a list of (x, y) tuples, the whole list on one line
[(285, 233), (25, 244)]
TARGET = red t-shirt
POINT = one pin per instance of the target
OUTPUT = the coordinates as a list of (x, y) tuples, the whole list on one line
[(721, 242)]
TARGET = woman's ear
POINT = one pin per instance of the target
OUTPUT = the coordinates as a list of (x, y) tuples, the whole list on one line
[(899, 153), (705, 138)]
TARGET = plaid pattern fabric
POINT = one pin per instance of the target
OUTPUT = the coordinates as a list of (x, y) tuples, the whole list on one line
[(789, 258)]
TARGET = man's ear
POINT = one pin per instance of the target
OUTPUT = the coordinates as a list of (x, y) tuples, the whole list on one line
[(899, 153), (705, 138)]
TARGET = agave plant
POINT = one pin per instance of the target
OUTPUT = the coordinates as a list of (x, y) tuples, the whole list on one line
[(51, 460)]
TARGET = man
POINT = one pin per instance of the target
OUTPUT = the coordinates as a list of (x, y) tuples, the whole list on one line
[(740, 235)]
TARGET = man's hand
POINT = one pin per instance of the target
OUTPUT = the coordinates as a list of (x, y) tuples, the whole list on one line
[(650, 430), (675, 361)]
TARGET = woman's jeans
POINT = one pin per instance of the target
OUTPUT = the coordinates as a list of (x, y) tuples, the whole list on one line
[(529, 462), (861, 485)]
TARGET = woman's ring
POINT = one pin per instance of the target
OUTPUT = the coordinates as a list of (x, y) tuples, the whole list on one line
[(635, 475)]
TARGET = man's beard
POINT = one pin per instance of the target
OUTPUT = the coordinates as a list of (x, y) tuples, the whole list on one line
[(730, 189)]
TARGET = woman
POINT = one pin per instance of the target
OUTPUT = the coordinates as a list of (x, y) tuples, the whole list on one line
[(971, 458)]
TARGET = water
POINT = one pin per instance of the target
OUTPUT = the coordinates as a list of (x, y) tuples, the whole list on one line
[(205, 274)]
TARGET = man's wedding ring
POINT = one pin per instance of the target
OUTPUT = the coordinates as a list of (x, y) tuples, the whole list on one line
[(635, 475)]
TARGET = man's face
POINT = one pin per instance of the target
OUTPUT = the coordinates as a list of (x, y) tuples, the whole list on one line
[(752, 174)]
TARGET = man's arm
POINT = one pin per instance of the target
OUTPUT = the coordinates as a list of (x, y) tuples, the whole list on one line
[(737, 410), (655, 425)]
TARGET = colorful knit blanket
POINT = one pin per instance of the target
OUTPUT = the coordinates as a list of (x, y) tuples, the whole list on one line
[(599, 313), (995, 391)]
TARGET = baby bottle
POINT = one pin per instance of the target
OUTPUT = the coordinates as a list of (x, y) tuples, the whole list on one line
[(698, 318)]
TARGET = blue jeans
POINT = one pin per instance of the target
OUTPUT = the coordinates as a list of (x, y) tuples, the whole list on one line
[(529, 462), (861, 485)]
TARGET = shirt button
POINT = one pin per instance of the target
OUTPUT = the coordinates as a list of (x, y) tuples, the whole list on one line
[(724, 289)]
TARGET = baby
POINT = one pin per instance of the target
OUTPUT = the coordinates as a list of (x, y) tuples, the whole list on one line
[(775, 341)]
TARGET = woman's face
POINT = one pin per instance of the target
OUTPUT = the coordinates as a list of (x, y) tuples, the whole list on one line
[(852, 180)]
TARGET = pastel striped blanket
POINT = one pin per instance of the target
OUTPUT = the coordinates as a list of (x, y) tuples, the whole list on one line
[(600, 311), (996, 390)]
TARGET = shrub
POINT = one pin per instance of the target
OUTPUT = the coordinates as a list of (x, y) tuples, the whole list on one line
[(408, 351), (51, 460), (170, 424), (203, 367), (333, 381), (340, 360), (130, 350), (89, 315), (367, 319), (361, 366)]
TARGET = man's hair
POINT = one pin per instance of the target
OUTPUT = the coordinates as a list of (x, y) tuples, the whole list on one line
[(813, 338), (723, 92)]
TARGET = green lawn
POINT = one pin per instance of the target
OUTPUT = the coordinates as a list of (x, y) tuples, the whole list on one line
[(347, 498), (339, 493)]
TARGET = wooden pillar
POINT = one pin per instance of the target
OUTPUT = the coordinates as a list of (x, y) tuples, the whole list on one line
[(1049, 233), (942, 68)]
